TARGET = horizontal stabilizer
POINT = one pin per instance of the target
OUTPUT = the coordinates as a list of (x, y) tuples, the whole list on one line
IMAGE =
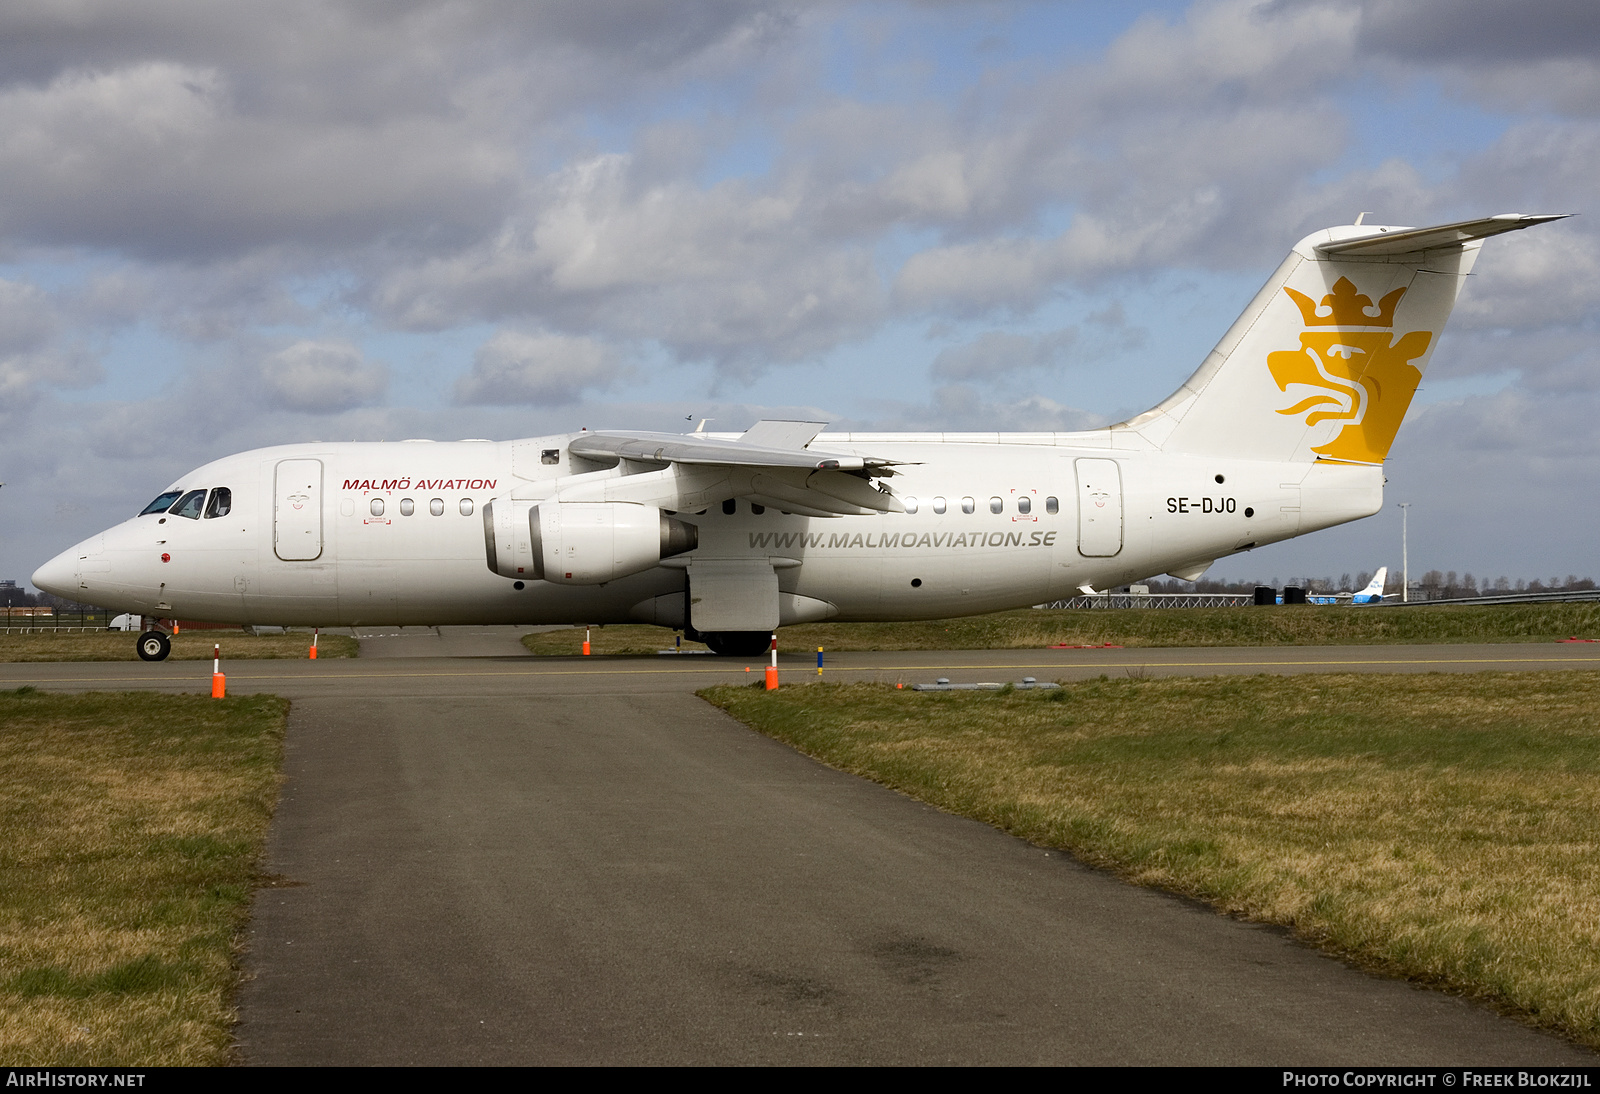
[(1403, 241)]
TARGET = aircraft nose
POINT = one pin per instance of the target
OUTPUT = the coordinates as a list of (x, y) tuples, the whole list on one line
[(56, 576)]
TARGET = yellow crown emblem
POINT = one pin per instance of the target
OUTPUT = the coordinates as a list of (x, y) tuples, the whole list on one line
[(1363, 379), (1344, 307)]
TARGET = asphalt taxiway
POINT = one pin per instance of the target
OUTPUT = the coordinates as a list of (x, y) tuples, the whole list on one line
[(503, 859), (467, 660)]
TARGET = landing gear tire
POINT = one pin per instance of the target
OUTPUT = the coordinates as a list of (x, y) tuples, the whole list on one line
[(738, 643), (154, 646)]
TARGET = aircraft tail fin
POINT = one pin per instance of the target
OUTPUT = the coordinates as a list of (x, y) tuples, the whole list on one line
[(1373, 593), (1323, 363)]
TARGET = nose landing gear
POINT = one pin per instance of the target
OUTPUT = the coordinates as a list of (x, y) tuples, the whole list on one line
[(154, 646)]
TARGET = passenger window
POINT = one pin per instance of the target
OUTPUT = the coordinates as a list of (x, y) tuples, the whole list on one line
[(221, 503), (730, 507), (407, 507), (161, 504), (465, 507), (757, 509), (1024, 505), (190, 505), (911, 504), (436, 507), (938, 506), (376, 507), (968, 505), (549, 456), (1052, 506), (997, 505)]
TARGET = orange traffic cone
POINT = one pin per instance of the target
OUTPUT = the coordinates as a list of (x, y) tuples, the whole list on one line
[(219, 683)]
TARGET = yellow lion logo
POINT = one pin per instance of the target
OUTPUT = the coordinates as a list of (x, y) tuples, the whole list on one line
[(1360, 376)]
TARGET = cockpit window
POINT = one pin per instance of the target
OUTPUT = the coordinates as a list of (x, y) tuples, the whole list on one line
[(190, 505), (220, 504), (161, 504)]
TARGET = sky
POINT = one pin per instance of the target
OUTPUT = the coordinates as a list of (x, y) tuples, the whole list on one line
[(225, 226)]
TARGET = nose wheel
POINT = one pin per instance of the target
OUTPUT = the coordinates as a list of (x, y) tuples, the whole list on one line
[(154, 646)]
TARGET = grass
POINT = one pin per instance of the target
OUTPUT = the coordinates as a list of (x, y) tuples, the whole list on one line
[(624, 639), (131, 828), (187, 646), (1311, 625), (1444, 828)]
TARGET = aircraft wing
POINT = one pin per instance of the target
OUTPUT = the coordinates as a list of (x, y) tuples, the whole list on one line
[(770, 464), (748, 451)]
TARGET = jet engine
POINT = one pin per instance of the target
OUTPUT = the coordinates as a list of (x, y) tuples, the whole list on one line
[(580, 543)]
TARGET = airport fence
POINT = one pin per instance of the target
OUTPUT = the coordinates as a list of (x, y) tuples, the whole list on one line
[(1115, 600), (76, 618), (1153, 600), (1555, 596)]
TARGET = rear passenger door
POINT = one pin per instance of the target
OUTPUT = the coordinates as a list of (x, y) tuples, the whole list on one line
[(1099, 508)]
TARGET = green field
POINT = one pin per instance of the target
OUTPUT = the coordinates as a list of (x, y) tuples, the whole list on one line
[(186, 646), (1308, 625), (1440, 828), (131, 828)]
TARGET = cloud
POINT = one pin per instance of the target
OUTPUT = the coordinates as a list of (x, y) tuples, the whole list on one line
[(541, 369), (996, 353), (1484, 31), (32, 353), (162, 160), (727, 274), (963, 408), (379, 54), (1545, 277), (166, 130), (321, 378)]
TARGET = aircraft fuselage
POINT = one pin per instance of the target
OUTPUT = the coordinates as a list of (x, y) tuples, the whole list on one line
[(394, 533)]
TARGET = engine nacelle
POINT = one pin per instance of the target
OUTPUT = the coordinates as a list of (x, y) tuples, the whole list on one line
[(580, 543), (506, 539)]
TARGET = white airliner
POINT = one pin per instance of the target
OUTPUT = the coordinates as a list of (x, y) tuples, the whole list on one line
[(1372, 594), (1283, 430)]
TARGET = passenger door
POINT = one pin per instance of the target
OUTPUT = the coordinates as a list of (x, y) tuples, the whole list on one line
[(1099, 508), (297, 511)]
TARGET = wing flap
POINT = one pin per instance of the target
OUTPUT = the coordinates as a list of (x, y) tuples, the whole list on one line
[(831, 491), (784, 505)]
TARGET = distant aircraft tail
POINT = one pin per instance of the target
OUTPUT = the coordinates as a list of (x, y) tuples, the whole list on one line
[(1373, 593), (1323, 363)]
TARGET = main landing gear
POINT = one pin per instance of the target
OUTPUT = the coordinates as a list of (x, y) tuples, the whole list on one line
[(737, 643), (154, 646)]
